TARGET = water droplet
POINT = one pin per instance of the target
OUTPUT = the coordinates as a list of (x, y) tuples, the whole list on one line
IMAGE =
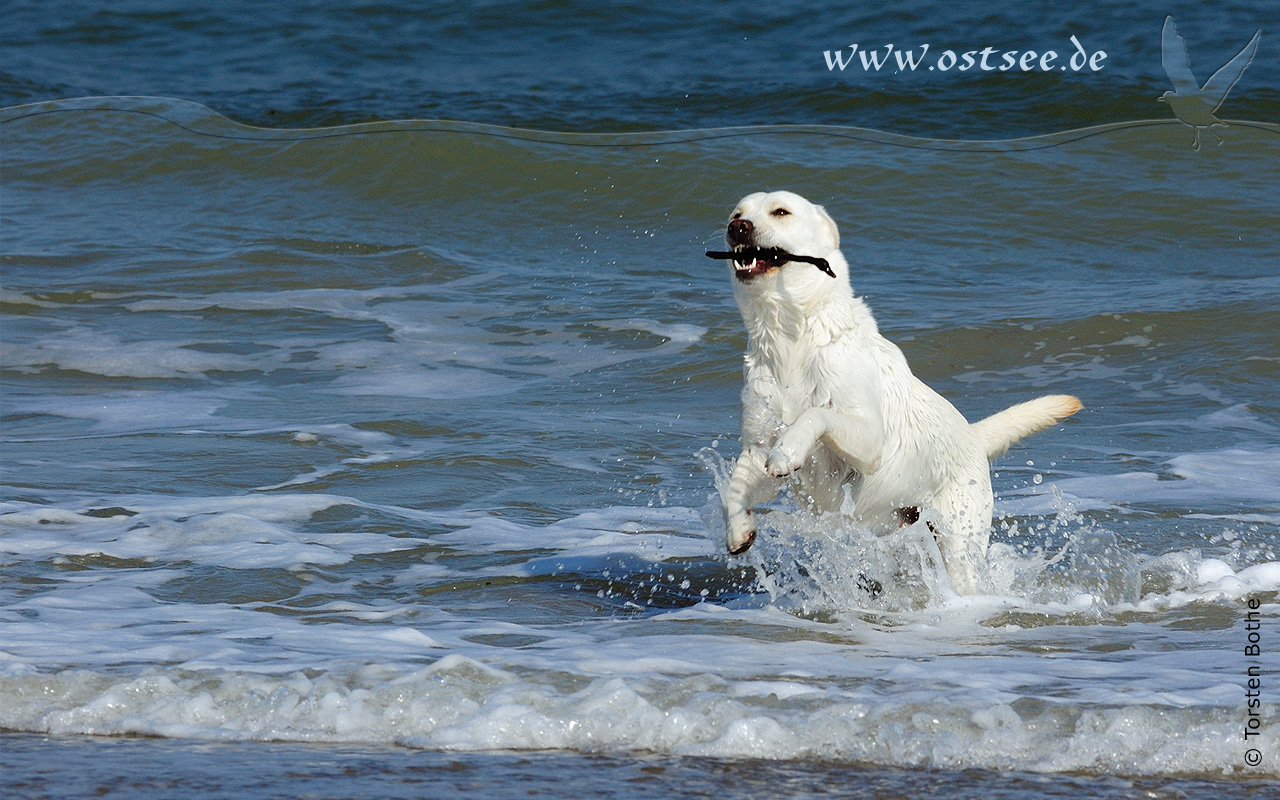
[(1038, 479)]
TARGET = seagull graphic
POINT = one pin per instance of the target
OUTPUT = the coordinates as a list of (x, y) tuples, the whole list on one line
[(1192, 103)]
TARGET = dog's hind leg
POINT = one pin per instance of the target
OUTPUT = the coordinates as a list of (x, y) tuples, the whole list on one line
[(962, 531)]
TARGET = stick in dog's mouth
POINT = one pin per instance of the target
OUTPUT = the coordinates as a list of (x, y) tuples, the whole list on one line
[(766, 258)]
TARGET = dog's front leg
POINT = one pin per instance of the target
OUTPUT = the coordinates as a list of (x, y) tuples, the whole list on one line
[(857, 436), (749, 485)]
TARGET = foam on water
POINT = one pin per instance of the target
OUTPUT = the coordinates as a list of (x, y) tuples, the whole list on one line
[(459, 703), (804, 663), (940, 712), (680, 333), (1219, 478), (135, 410), (252, 532), (418, 352), (96, 352)]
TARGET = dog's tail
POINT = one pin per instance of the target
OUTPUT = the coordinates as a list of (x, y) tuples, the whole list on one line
[(1000, 430)]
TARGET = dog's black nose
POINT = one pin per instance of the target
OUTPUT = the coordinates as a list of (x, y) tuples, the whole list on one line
[(740, 231)]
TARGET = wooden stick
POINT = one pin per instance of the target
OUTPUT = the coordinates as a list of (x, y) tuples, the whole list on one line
[(772, 254)]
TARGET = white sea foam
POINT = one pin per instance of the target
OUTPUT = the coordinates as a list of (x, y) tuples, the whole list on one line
[(424, 353), (24, 299), (921, 718), (134, 411), (249, 532), (1207, 480), (1066, 663), (680, 333), (98, 352)]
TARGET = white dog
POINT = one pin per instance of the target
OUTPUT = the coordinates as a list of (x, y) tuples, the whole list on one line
[(831, 403)]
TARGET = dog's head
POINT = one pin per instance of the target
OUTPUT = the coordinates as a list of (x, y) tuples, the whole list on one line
[(783, 222)]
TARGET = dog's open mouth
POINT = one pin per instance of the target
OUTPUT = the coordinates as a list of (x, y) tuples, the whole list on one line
[(749, 262)]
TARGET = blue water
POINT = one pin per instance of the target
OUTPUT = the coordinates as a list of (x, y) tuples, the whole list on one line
[(583, 66), (365, 393)]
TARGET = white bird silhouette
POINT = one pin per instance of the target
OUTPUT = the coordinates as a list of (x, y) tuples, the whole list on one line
[(1192, 103)]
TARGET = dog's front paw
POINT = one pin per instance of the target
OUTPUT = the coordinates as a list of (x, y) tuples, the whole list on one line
[(780, 464), (744, 545), (742, 534), (794, 446)]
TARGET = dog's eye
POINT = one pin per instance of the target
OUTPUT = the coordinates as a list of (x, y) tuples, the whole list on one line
[(780, 212), (736, 215)]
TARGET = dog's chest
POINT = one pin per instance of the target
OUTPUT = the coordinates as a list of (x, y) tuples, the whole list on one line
[(789, 386)]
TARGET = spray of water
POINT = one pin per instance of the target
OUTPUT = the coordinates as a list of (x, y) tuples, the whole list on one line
[(1059, 567)]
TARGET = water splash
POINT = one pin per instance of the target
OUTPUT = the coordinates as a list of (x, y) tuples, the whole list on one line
[(1060, 567)]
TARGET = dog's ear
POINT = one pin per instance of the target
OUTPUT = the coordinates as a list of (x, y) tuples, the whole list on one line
[(830, 223)]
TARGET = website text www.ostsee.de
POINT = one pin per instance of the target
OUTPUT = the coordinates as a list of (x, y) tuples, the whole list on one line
[(988, 59)]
